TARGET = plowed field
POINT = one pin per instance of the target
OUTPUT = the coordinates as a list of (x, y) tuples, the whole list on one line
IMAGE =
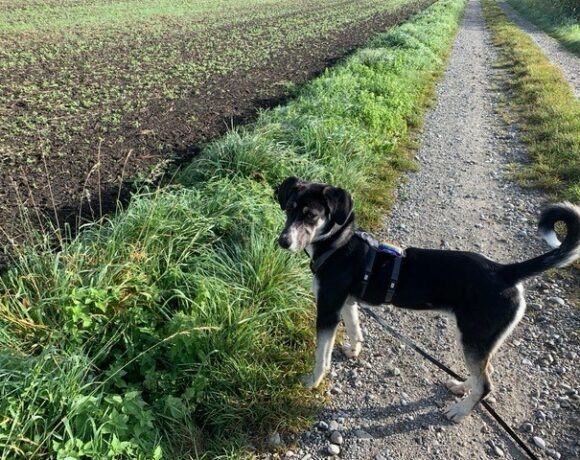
[(93, 94)]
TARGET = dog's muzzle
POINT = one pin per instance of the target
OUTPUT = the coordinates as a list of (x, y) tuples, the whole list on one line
[(284, 241)]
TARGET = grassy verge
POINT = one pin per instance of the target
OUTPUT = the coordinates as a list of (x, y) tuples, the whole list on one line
[(177, 329), (560, 18), (547, 112)]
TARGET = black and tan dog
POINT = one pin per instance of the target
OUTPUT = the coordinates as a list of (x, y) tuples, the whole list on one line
[(486, 297)]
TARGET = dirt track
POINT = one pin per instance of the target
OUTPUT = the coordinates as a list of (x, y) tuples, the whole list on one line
[(389, 404)]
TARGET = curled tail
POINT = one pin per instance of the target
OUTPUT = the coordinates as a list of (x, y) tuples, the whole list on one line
[(563, 253)]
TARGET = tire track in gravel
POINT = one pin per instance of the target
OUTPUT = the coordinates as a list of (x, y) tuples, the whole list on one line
[(567, 62), (389, 403)]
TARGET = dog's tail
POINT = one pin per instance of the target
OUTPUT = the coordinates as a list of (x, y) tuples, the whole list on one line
[(563, 253)]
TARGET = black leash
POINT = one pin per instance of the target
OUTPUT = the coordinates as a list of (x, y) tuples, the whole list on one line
[(443, 367)]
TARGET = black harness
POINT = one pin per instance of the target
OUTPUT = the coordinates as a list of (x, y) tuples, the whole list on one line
[(383, 262)]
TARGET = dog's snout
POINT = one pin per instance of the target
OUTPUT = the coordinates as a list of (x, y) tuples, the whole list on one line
[(284, 241)]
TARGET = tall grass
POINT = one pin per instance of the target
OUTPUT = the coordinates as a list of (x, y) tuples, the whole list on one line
[(547, 111), (177, 328), (560, 18)]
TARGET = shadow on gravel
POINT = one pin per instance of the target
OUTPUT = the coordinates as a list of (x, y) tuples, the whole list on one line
[(431, 417)]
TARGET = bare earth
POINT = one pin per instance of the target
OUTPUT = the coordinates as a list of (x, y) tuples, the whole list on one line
[(389, 403), (566, 61)]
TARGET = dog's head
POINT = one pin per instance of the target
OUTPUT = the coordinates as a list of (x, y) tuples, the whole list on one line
[(312, 209)]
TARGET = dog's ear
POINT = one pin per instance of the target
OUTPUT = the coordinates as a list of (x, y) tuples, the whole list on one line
[(286, 189), (339, 202)]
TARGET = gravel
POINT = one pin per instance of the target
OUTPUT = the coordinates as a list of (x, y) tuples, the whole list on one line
[(568, 63), (391, 401)]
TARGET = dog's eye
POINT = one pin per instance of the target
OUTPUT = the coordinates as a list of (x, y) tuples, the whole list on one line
[(310, 215)]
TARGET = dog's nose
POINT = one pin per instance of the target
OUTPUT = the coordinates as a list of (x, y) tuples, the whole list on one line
[(284, 241)]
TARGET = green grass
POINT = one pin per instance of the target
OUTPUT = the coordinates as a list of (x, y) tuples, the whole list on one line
[(560, 18), (177, 329), (547, 111)]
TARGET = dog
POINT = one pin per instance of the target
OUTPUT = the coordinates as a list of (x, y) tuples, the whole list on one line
[(486, 297)]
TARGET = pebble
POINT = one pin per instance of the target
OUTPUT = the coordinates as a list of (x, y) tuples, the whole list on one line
[(498, 452), (539, 442), (322, 425), (333, 449), (557, 300), (362, 434), (333, 425), (527, 427), (336, 438)]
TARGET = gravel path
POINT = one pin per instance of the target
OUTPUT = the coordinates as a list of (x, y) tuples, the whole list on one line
[(389, 403), (568, 63)]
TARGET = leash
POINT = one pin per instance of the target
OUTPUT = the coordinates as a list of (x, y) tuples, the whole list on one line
[(446, 369)]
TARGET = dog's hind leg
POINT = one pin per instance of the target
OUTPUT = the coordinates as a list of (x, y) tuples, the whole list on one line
[(350, 317), (458, 387), (479, 346), (478, 382)]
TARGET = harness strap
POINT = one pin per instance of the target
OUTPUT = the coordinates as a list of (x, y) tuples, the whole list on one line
[(394, 279), (368, 271), (315, 264)]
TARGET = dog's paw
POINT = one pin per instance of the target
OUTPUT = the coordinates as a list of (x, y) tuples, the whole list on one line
[(457, 412), (456, 387), (309, 381), (352, 352)]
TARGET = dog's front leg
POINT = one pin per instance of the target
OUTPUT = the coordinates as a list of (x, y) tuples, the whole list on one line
[(352, 324), (324, 345), (329, 302)]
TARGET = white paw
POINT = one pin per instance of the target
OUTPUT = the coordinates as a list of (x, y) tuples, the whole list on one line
[(309, 381), (352, 352), (456, 387), (457, 412)]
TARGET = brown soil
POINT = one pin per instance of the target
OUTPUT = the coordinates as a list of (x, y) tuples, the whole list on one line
[(85, 183)]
